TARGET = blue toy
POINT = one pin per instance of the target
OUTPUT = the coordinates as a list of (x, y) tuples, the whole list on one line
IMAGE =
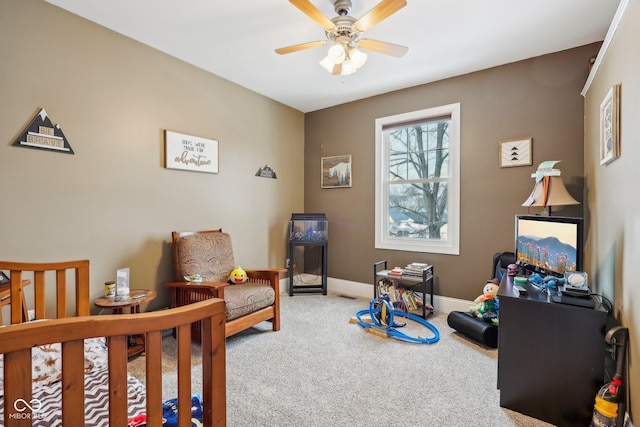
[(383, 314), (547, 282)]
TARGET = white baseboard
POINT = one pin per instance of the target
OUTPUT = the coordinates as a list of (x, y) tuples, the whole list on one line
[(365, 290)]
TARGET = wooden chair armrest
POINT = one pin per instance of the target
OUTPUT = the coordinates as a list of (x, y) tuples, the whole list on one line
[(266, 273), (268, 276), (179, 289), (214, 286)]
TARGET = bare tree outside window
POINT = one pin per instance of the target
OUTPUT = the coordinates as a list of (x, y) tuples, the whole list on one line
[(418, 172)]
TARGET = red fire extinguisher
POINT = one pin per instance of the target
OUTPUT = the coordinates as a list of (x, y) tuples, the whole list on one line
[(608, 410)]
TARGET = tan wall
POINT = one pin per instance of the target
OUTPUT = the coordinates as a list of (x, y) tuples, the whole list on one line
[(612, 190), (538, 98), (113, 202)]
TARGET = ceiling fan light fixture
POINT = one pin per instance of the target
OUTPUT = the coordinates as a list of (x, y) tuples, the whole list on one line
[(347, 68), (329, 65), (357, 57), (343, 59), (336, 53)]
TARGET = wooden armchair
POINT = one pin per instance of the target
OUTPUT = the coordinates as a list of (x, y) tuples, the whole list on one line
[(210, 254)]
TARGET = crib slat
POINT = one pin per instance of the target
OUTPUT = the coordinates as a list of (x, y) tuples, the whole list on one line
[(39, 295), (117, 380), (183, 340), (17, 385), (61, 294), (17, 294), (214, 380), (153, 354), (73, 383), (83, 301)]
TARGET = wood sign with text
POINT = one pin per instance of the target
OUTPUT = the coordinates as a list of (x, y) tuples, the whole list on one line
[(191, 153), (41, 134)]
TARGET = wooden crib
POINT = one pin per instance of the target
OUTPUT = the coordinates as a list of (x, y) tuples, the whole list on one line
[(18, 340)]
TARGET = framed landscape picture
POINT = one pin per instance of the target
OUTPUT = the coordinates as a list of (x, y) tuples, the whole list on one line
[(610, 126), (336, 171)]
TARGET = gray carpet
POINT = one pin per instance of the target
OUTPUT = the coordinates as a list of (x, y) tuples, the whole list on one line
[(321, 370)]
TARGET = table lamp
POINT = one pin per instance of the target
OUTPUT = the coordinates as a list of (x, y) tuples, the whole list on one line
[(548, 190)]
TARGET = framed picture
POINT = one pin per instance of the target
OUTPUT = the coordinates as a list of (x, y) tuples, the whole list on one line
[(336, 171), (610, 126), (515, 152), (190, 153)]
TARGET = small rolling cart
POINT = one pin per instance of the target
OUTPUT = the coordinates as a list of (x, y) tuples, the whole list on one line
[(416, 279)]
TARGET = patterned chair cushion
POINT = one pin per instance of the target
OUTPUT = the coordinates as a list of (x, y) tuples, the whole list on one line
[(245, 298), (211, 256)]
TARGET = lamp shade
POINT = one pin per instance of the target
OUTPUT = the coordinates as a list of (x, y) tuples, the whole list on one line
[(347, 68), (336, 53), (330, 66), (357, 57), (550, 191)]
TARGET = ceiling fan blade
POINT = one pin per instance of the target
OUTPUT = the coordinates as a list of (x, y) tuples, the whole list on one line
[(299, 47), (314, 13), (381, 11), (383, 47)]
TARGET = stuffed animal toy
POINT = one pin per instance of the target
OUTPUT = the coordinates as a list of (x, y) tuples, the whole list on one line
[(238, 275), (550, 282), (488, 310), (486, 305)]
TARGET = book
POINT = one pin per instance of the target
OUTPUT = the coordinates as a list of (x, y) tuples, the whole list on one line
[(396, 271), (417, 267), (421, 265)]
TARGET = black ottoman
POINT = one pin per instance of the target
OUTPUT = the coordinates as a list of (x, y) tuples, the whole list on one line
[(476, 329)]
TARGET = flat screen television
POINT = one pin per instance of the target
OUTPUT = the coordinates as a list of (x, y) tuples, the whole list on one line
[(549, 245)]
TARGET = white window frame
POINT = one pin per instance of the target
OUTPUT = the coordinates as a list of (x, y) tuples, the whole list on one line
[(451, 245)]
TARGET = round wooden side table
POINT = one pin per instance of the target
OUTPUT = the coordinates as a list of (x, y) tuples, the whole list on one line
[(133, 301)]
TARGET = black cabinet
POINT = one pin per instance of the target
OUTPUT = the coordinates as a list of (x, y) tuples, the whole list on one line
[(550, 355)]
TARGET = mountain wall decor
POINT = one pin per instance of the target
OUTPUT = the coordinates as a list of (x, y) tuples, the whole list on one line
[(41, 134)]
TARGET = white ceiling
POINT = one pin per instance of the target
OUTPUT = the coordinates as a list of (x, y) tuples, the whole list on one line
[(235, 39)]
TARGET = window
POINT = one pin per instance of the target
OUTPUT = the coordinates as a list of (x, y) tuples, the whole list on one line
[(418, 181)]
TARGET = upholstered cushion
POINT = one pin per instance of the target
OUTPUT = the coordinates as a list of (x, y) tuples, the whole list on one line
[(210, 255), (245, 298)]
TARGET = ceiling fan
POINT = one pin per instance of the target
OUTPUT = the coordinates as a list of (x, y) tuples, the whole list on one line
[(343, 33)]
